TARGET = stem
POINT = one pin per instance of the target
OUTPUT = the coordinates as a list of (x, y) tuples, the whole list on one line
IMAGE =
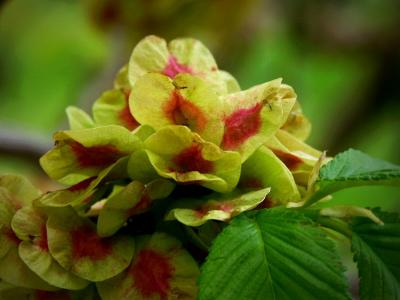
[(336, 224)]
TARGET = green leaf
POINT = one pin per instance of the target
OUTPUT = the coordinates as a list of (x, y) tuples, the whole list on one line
[(354, 168), (376, 250), (272, 254)]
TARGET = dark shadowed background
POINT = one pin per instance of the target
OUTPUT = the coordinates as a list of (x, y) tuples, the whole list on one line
[(342, 58)]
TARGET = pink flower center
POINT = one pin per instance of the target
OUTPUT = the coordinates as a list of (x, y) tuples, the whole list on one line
[(125, 114), (174, 67)]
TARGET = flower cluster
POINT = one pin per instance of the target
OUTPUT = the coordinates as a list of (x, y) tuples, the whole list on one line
[(169, 154)]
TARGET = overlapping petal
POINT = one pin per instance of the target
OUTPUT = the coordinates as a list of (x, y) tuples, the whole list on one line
[(299, 157), (76, 246), (297, 124), (160, 269), (265, 169), (185, 55), (216, 207), (80, 154), (133, 199), (78, 119), (158, 101), (17, 293), (253, 116), (83, 191), (29, 225), (177, 153), (112, 108), (16, 192)]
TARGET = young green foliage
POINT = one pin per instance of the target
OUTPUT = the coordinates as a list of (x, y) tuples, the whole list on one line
[(376, 250), (278, 254), (354, 168)]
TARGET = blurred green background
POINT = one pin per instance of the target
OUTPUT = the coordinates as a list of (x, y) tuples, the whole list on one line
[(342, 58)]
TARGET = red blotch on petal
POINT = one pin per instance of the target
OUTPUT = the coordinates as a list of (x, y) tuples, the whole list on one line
[(152, 272), (42, 242), (81, 185), (10, 234), (241, 125), (174, 67), (291, 161), (253, 183), (56, 295), (143, 204), (183, 112), (224, 206), (125, 114), (87, 244), (191, 159), (267, 203), (95, 156)]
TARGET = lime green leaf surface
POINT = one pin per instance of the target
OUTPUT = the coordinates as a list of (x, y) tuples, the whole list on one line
[(354, 168), (272, 254), (161, 269), (376, 250)]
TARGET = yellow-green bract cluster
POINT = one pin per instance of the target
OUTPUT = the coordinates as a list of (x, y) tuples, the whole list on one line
[(172, 122)]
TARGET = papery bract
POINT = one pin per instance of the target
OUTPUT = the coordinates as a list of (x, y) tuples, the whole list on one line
[(161, 269)]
